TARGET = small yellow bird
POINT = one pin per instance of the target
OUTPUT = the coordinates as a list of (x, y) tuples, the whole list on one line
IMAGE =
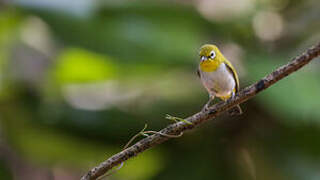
[(218, 76)]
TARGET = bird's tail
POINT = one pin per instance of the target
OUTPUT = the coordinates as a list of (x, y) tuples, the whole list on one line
[(235, 111)]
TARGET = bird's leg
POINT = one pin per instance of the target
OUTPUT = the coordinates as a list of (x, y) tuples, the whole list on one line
[(233, 94), (235, 110), (206, 106)]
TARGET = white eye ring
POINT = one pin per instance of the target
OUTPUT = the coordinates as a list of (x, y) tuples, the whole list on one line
[(212, 54)]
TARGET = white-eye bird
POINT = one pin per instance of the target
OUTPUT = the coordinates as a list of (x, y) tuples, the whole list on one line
[(218, 76)]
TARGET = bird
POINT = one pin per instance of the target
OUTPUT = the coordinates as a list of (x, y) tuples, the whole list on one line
[(218, 76)]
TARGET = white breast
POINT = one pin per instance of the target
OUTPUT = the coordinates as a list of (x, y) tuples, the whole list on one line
[(220, 82)]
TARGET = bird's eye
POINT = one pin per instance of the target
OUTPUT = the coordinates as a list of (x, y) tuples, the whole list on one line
[(212, 54)]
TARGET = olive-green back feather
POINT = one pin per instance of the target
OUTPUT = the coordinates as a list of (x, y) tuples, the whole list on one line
[(234, 73)]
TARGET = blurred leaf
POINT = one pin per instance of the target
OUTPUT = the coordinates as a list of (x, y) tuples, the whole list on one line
[(78, 66), (142, 167), (45, 145), (296, 97), (161, 34), (50, 147), (9, 23), (4, 171)]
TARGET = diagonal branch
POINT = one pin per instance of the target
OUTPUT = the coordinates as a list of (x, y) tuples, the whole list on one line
[(201, 117)]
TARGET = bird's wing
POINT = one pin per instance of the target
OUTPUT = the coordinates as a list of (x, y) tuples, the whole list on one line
[(234, 73)]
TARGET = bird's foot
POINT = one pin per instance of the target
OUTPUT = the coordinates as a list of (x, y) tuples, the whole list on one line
[(206, 106)]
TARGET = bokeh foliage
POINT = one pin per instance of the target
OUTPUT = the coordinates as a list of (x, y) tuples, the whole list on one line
[(78, 80)]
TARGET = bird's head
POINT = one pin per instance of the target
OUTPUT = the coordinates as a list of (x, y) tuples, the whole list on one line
[(210, 58), (208, 52)]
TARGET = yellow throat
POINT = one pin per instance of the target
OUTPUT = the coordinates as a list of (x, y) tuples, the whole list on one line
[(209, 65)]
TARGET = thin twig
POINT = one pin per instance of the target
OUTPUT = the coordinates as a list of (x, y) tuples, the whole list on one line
[(177, 119), (143, 133), (165, 135), (135, 136), (125, 147), (201, 117)]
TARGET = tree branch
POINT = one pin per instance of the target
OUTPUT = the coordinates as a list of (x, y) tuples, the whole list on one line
[(201, 117)]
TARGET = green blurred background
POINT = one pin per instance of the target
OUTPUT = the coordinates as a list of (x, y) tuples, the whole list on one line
[(79, 78)]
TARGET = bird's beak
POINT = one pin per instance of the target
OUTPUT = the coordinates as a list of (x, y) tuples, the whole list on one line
[(203, 58)]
